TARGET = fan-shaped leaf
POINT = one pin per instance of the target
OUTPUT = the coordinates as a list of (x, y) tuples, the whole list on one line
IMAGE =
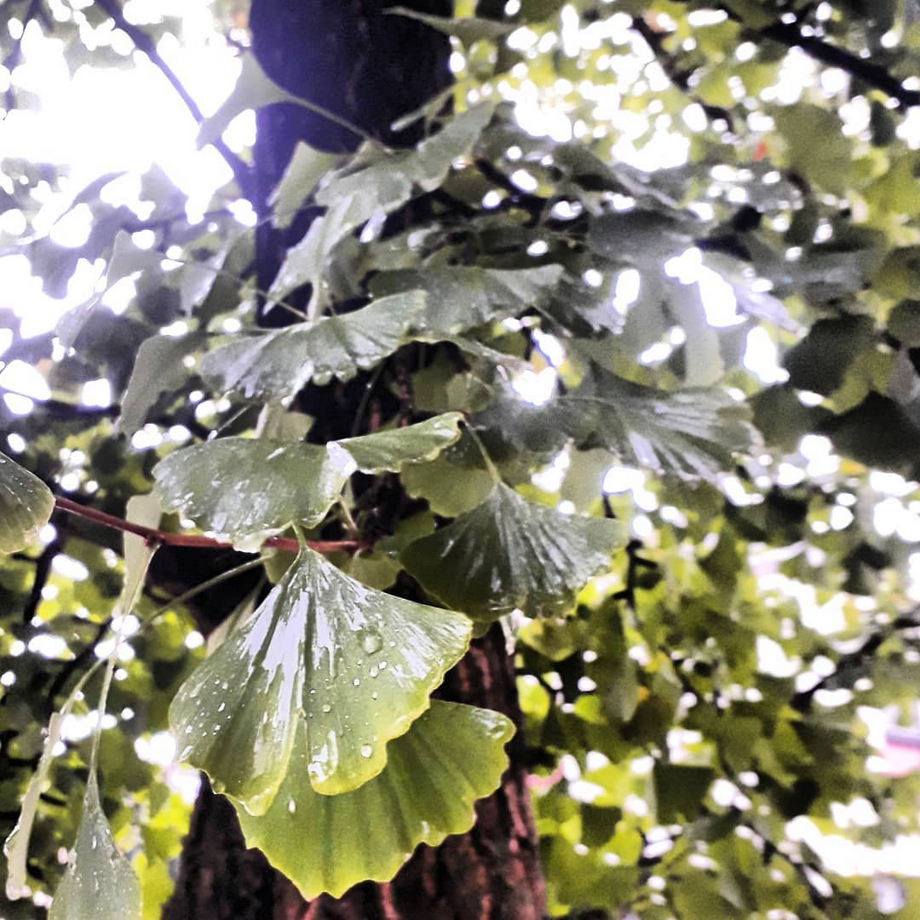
[(692, 433), (277, 364), (306, 168), (467, 28), (391, 450), (463, 297), (513, 554), (283, 484), (450, 757), (99, 881), (26, 504), (350, 665)]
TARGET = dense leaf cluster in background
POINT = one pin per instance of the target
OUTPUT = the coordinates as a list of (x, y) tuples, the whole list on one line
[(706, 559)]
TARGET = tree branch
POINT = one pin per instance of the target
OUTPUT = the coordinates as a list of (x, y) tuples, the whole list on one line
[(862, 69), (161, 538), (143, 42)]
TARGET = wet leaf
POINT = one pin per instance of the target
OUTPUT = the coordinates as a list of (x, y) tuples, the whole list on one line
[(99, 881), (276, 365), (513, 554), (325, 655), (391, 450), (26, 504), (283, 484), (451, 756), (463, 297)]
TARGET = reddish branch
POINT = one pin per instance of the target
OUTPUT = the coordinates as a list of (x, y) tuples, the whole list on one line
[(161, 538)]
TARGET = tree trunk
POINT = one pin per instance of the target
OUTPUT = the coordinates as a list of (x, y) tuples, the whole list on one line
[(369, 68)]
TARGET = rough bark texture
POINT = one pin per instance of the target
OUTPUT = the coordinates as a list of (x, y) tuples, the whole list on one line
[(347, 56)]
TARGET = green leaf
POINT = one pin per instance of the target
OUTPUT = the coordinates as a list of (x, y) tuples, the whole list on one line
[(285, 483), (323, 653), (276, 365), (300, 178), (158, 367), (820, 361), (391, 450), (512, 554), (252, 90), (679, 790), (463, 297), (691, 433), (26, 504), (451, 756), (99, 881), (817, 147), (467, 28), (639, 236), (904, 323), (247, 490)]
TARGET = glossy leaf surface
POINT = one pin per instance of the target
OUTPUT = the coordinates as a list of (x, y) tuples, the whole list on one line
[(451, 756), (276, 365), (513, 554), (99, 881), (26, 504), (350, 666)]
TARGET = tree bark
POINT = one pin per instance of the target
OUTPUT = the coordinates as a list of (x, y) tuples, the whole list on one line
[(370, 68)]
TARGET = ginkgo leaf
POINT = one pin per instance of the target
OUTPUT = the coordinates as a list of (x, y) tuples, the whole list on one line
[(353, 666), (467, 28), (692, 433), (512, 553), (276, 365), (463, 297), (252, 90), (158, 367), (391, 450), (99, 881), (283, 484), (26, 504), (301, 175), (373, 184), (451, 756)]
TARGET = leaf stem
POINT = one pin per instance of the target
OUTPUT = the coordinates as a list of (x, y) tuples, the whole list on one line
[(195, 541), (490, 466)]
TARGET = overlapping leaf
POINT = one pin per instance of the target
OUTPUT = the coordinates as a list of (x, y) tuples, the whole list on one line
[(692, 433), (348, 667), (26, 504), (512, 554), (276, 365), (463, 297), (285, 483), (451, 756), (391, 450), (99, 881)]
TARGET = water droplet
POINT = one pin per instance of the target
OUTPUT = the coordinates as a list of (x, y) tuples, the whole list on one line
[(292, 806), (373, 672), (327, 708), (374, 696), (366, 750), (371, 643), (356, 682)]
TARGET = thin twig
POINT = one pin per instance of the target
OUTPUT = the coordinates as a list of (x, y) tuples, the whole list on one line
[(144, 43), (194, 541)]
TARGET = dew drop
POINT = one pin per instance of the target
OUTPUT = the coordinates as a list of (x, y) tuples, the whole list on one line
[(366, 750), (371, 643), (292, 806), (357, 682), (327, 708)]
